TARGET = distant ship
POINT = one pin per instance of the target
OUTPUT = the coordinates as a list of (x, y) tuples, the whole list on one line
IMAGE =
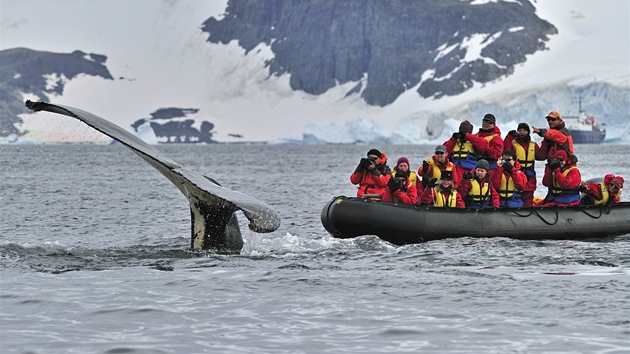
[(584, 129)]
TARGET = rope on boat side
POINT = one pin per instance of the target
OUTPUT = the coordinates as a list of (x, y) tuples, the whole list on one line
[(602, 210), (545, 221)]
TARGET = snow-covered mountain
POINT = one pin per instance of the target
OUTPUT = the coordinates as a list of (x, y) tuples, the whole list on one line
[(161, 58)]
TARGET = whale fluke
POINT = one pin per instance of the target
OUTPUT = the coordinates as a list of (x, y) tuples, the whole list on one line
[(212, 207)]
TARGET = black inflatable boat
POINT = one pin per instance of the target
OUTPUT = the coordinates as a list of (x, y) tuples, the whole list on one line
[(348, 217)]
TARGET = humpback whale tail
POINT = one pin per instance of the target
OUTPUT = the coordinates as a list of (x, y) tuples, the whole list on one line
[(212, 207)]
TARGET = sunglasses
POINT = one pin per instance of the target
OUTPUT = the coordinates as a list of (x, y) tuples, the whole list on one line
[(374, 157), (439, 153), (509, 159), (612, 186), (487, 121), (550, 119), (560, 159)]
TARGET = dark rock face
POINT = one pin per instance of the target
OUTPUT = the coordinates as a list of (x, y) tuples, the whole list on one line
[(174, 129), (385, 45), (25, 70)]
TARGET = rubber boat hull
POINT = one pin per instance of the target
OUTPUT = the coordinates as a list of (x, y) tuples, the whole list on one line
[(348, 217)]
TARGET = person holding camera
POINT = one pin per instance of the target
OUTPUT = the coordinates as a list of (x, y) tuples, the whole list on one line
[(563, 182), (602, 193), (467, 148), (526, 150), (478, 191), (444, 195), (372, 174), (509, 181), (432, 169), (460, 151), (403, 165), (400, 189)]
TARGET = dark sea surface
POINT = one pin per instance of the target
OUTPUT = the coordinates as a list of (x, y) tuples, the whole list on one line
[(95, 258)]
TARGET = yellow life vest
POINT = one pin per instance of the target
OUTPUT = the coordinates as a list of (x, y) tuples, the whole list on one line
[(526, 158), (462, 150), (605, 194), (441, 201), (413, 177), (507, 187), (477, 193), (436, 172)]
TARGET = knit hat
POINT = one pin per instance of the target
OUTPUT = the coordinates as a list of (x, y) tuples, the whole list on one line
[(490, 117), (447, 175), (440, 148), (483, 164), (618, 181), (374, 152), (523, 126), (465, 127), (402, 159), (553, 114), (561, 154)]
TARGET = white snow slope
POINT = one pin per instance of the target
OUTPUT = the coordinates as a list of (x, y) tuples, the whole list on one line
[(159, 51)]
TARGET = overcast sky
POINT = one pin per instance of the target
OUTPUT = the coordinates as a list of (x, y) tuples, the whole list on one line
[(159, 50)]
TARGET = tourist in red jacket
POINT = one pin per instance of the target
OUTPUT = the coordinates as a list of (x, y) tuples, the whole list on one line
[(431, 170), (602, 193), (444, 195), (563, 182), (400, 189), (465, 148), (556, 138), (372, 174), (476, 188), (526, 150), (509, 181)]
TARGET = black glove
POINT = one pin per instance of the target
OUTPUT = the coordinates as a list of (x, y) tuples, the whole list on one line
[(384, 169), (359, 169), (457, 135), (425, 167), (425, 181), (393, 184), (507, 167), (553, 164), (513, 133), (468, 175)]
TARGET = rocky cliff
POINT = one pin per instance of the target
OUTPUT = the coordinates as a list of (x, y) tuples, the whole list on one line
[(443, 47), (40, 74)]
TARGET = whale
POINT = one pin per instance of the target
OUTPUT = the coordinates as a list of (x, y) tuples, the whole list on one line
[(213, 208)]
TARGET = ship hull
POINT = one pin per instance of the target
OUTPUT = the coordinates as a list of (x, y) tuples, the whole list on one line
[(588, 136)]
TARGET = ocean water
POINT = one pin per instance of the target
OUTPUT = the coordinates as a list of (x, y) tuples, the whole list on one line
[(95, 258)]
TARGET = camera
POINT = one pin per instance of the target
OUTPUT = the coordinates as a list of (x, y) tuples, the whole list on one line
[(366, 162), (504, 161)]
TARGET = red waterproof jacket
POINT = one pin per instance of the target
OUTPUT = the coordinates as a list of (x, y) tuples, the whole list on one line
[(448, 165), (429, 196), (370, 183), (594, 189), (554, 138), (400, 196), (465, 185), (490, 150)]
